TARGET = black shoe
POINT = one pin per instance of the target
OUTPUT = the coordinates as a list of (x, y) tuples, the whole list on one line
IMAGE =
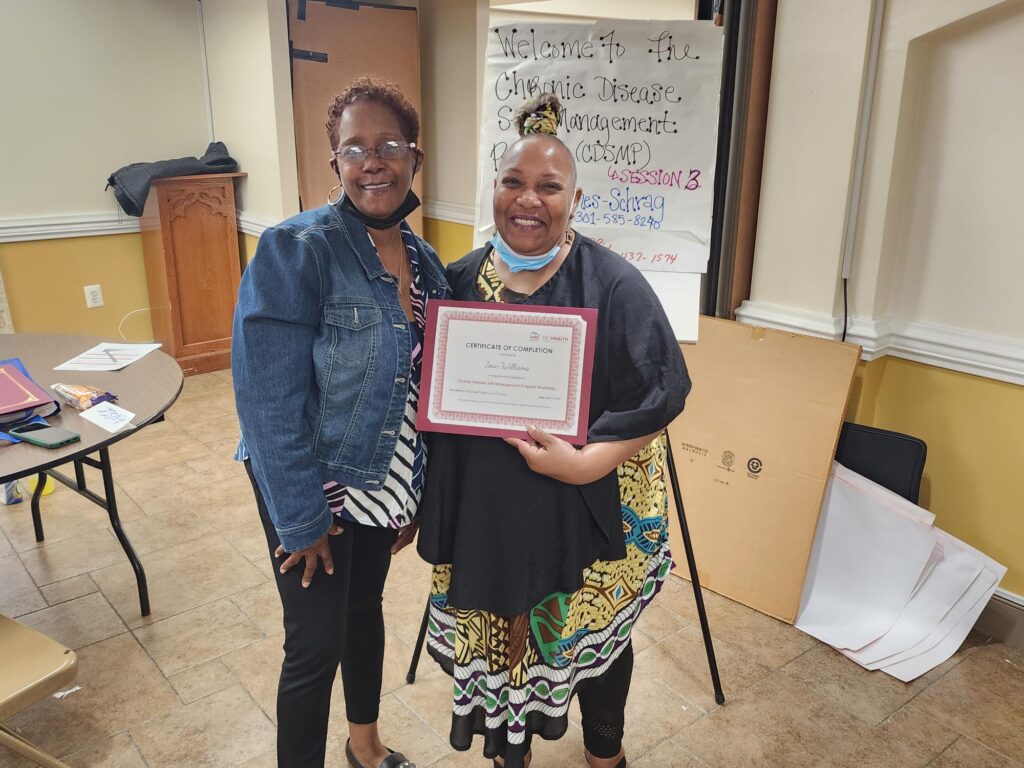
[(394, 760)]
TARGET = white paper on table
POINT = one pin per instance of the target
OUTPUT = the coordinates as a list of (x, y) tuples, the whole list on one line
[(107, 356), (110, 417), (916, 666), (679, 294), (868, 556), (944, 586)]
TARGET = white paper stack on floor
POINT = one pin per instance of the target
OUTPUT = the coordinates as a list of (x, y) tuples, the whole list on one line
[(887, 588)]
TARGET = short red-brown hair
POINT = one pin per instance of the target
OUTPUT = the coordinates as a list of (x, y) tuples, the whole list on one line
[(381, 91)]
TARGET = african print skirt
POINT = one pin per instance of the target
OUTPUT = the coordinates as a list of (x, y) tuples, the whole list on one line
[(515, 677)]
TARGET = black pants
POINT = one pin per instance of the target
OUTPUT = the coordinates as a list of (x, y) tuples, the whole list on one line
[(338, 619), (603, 706)]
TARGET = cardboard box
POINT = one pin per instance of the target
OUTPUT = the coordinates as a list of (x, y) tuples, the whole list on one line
[(752, 451)]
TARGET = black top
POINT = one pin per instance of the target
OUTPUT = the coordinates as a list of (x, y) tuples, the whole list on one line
[(514, 536)]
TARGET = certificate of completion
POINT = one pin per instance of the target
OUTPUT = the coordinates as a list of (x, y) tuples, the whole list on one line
[(495, 369)]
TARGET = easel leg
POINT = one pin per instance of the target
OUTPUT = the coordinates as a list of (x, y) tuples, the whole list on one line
[(694, 579), (411, 675)]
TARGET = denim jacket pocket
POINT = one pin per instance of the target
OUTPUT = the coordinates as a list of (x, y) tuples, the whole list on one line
[(354, 331)]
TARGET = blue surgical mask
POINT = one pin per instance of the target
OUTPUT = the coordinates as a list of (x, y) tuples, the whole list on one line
[(517, 263)]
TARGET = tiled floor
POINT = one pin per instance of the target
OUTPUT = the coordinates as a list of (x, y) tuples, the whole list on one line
[(193, 684)]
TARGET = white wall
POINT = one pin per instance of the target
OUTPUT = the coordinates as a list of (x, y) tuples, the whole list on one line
[(450, 69), (606, 9), (89, 86), (957, 255), (939, 223), (250, 91)]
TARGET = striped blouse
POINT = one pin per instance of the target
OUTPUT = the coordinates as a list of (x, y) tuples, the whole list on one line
[(394, 505)]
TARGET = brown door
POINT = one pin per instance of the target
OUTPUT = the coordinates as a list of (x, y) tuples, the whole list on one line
[(330, 46)]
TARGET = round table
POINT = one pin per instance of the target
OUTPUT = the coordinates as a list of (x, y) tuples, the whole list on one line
[(147, 388)]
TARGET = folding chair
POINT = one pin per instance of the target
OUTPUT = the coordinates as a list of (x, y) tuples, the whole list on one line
[(32, 666)]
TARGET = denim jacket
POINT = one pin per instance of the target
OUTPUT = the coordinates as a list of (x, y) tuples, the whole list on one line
[(320, 355)]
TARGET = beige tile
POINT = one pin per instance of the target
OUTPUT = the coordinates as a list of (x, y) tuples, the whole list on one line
[(116, 752), (431, 699), (266, 760), (397, 657), (982, 697), (779, 724), (214, 430), (680, 662), (202, 680), (223, 729), (654, 713), (768, 641), (219, 463), (158, 532), (403, 609), (77, 623), (871, 696), (967, 753), (64, 559), (202, 406), (5, 546), (203, 382), (196, 636), (258, 668), (566, 752), (262, 604), (402, 730), (121, 686), (163, 481), (668, 753), (69, 589), (66, 516), (18, 593), (657, 622), (151, 449), (406, 567), (180, 577)]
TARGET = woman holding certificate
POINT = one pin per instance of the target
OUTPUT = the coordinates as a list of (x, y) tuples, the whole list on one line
[(326, 355), (545, 554)]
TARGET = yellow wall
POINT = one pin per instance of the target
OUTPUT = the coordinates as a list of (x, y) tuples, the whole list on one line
[(44, 281), (451, 241), (974, 428), (247, 245)]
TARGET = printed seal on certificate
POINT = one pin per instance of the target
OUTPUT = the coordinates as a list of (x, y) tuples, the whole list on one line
[(495, 369)]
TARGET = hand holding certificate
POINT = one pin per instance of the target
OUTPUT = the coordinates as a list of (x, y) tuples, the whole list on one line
[(496, 369)]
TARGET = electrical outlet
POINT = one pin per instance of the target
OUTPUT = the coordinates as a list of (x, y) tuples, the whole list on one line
[(93, 296)]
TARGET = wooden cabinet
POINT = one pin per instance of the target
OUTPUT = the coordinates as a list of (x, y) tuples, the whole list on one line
[(190, 243)]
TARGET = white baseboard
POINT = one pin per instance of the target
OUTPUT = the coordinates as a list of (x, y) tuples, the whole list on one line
[(25, 228), (980, 354), (456, 213)]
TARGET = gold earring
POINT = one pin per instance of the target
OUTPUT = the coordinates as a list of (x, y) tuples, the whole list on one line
[(331, 194)]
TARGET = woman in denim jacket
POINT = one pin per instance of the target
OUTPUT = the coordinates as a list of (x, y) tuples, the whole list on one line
[(326, 363)]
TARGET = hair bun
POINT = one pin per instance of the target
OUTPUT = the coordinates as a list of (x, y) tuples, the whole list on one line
[(541, 114)]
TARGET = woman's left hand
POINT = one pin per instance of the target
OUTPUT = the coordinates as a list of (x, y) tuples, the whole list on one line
[(406, 536), (549, 455)]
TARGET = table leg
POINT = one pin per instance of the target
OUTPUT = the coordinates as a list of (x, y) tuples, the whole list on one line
[(37, 519), (115, 523)]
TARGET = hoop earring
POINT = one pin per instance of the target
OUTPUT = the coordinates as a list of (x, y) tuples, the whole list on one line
[(331, 194)]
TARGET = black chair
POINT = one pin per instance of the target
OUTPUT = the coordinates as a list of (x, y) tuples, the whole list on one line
[(891, 459)]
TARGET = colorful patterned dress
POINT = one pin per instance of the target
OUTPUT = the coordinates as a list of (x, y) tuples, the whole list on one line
[(517, 675)]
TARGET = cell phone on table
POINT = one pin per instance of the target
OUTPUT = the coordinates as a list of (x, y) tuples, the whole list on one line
[(44, 435)]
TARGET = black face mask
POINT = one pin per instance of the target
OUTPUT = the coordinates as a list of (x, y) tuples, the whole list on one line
[(410, 204)]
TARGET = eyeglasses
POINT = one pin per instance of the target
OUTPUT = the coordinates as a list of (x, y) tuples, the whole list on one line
[(386, 150)]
